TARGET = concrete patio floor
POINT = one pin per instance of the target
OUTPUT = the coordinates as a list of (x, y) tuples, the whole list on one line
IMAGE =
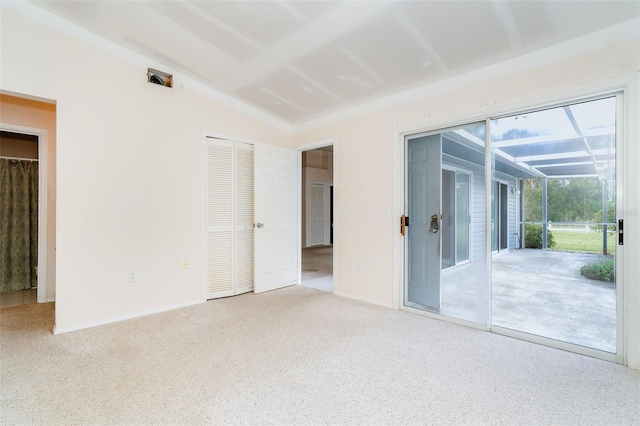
[(537, 292)]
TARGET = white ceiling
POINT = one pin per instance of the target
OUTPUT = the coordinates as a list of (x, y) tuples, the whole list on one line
[(299, 60)]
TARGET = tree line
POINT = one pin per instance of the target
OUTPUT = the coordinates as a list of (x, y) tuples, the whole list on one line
[(570, 200)]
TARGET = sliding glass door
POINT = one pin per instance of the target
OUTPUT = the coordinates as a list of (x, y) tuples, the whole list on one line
[(445, 244), (548, 205), (562, 284)]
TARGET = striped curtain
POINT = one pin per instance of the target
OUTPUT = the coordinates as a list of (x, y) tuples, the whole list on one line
[(18, 224)]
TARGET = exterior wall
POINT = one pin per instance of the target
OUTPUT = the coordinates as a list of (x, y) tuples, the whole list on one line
[(512, 226)]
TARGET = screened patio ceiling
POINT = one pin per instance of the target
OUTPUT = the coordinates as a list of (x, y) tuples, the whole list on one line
[(565, 142)]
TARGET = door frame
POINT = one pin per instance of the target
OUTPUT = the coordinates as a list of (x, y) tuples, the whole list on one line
[(506, 183), (626, 106), (300, 149), (43, 203)]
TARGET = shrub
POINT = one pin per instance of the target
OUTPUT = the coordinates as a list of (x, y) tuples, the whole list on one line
[(602, 270), (533, 237)]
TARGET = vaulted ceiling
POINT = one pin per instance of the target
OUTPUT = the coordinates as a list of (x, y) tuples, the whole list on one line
[(298, 60)]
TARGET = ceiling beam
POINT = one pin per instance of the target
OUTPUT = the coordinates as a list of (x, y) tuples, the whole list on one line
[(315, 84), (557, 137), (576, 127), (318, 33), (361, 64), (422, 41), (572, 154), (508, 22)]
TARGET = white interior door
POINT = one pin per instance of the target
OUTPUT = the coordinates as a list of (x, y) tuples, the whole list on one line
[(276, 201), (424, 211), (315, 214)]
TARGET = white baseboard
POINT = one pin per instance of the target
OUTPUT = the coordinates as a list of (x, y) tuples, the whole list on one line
[(363, 299), (50, 299), (60, 330)]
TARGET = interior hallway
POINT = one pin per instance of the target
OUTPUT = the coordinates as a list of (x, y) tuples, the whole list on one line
[(317, 268)]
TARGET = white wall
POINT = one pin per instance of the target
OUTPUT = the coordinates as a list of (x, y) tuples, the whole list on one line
[(129, 162), (367, 236)]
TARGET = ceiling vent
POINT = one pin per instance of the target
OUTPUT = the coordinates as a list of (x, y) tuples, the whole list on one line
[(159, 77)]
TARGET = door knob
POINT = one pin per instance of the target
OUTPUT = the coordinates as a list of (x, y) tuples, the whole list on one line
[(434, 224), (259, 225)]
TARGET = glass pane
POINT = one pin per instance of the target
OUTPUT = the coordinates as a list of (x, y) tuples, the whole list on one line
[(448, 228), (561, 283), (463, 285), (462, 217)]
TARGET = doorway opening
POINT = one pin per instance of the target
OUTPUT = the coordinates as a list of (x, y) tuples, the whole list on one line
[(317, 218), (18, 218)]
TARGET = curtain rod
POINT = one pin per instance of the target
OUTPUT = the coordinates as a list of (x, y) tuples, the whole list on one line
[(17, 158)]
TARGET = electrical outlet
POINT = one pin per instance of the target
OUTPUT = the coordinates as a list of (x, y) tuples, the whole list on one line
[(132, 277), (185, 264), (358, 266)]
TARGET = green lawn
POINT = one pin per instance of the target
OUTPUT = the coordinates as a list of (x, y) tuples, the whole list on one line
[(586, 242)]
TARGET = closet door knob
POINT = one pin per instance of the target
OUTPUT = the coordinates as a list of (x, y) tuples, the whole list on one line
[(259, 225)]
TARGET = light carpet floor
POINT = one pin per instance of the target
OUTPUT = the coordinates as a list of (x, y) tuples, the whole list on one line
[(297, 356)]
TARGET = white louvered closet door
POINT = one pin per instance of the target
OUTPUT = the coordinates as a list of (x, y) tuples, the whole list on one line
[(244, 218), (229, 218)]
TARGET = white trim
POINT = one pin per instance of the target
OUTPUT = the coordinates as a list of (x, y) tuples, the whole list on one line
[(558, 344), (620, 260), (360, 298), (43, 202), (30, 97), (488, 254), (60, 330), (445, 318), (204, 210), (299, 213), (318, 144), (630, 201), (224, 137), (57, 23)]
